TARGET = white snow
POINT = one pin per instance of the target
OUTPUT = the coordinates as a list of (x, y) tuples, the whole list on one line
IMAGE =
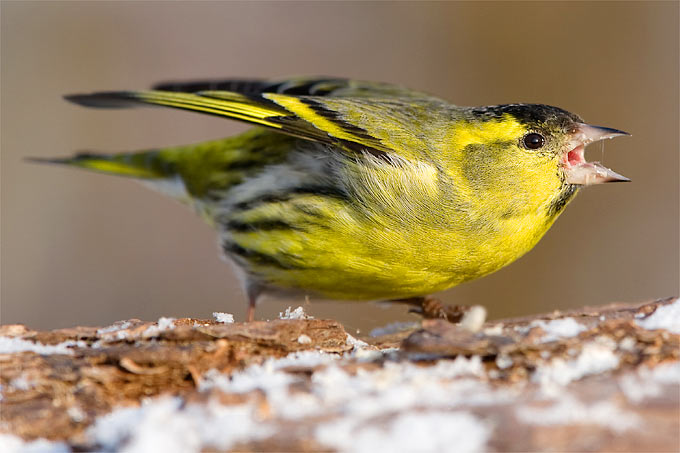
[(22, 383), (664, 317), (474, 318), (594, 358), (503, 361), (76, 414), (10, 443), (496, 329), (568, 410), (168, 425), (370, 355), (399, 386), (166, 323), (649, 382), (628, 344), (421, 400), (298, 313), (226, 318), (434, 431), (556, 329), (162, 324), (304, 339), (400, 406), (267, 376), (274, 383), (11, 345), (394, 387), (115, 327), (355, 343)]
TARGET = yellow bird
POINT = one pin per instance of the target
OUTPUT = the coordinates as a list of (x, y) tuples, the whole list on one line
[(362, 190)]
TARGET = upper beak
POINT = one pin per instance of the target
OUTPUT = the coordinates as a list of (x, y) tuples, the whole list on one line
[(588, 173)]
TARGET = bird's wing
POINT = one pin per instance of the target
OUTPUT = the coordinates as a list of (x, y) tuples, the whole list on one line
[(382, 126), (296, 86)]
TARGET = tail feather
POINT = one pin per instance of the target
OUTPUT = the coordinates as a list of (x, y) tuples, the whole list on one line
[(144, 165), (204, 169), (107, 99)]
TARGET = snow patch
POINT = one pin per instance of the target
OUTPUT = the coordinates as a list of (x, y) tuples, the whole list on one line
[(594, 358), (570, 411), (649, 382), (504, 361), (10, 443), (474, 318), (409, 393), (22, 383), (76, 414), (298, 313), (162, 324), (268, 376), (433, 431), (274, 382), (11, 345), (395, 386), (355, 343), (225, 318), (495, 330), (304, 339), (400, 386), (115, 327), (371, 355), (168, 425), (166, 323), (559, 328), (664, 317), (422, 407)]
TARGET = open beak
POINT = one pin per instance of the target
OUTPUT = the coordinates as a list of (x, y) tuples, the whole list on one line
[(588, 173)]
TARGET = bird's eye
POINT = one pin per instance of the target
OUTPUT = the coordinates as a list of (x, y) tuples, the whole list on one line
[(533, 140)]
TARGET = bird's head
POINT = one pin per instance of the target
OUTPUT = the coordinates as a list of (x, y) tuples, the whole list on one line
[(546, 135), (521, 157)]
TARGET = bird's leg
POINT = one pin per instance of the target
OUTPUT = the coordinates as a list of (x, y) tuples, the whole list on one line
[(432, 308), (253, 292), (250, 317)]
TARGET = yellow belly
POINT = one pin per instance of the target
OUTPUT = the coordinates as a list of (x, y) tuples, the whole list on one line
[(352, 258)]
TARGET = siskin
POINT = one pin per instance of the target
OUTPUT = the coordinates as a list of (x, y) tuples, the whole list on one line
[(362, 190)]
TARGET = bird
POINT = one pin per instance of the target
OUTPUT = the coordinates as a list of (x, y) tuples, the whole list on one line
[(359, 190)]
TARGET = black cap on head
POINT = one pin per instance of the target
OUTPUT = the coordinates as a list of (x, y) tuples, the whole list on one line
[(531, 114)]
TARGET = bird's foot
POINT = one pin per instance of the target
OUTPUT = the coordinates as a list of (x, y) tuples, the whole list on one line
[(469, 316)]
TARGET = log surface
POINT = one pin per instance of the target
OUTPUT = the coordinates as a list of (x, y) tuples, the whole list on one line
[(597, 379)]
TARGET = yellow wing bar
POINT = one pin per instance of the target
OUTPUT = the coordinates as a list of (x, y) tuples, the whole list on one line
[(306, 117)]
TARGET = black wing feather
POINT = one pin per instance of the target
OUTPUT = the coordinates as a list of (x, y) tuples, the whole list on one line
[(301, 86)]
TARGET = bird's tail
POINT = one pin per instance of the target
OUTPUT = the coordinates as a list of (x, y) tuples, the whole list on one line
[(193, 173), (142, 165)]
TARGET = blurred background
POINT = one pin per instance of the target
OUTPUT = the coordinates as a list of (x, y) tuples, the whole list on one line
[(86, 249)]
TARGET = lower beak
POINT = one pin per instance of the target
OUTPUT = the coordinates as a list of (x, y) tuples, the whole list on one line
[(584, 173)]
